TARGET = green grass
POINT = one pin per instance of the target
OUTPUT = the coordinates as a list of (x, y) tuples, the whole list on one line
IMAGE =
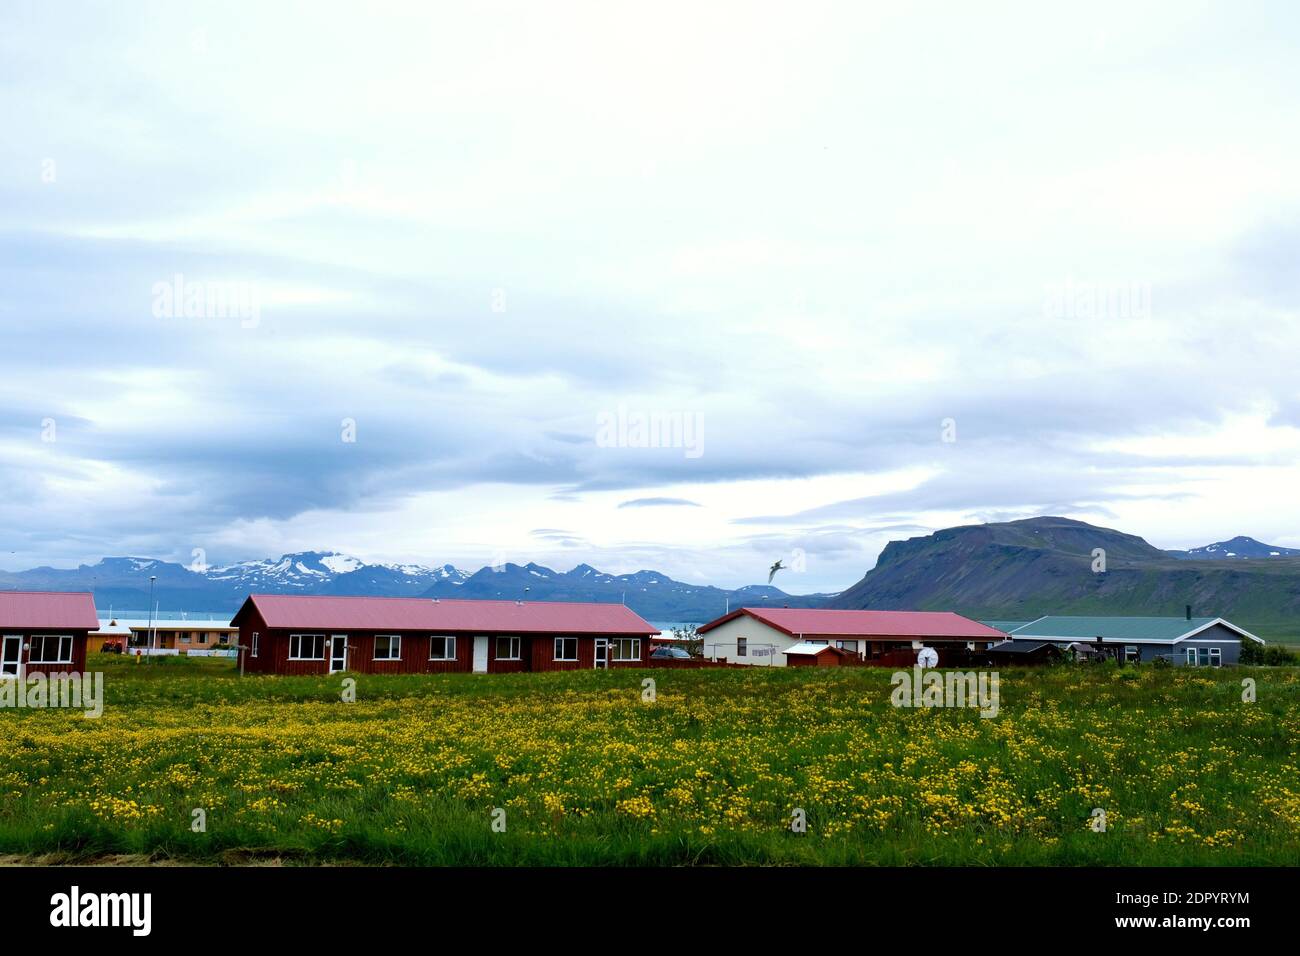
[(709, 773)]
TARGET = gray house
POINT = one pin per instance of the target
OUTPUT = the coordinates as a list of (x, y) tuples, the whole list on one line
[(1193, 641)]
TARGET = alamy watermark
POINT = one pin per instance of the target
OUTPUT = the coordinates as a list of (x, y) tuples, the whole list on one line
[(921, 688), (635, 428), (183, 298), (1086, 300), (84, 692), (125, 910)]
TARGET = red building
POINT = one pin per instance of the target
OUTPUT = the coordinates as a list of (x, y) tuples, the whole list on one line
[(44, 632), (301, 634)]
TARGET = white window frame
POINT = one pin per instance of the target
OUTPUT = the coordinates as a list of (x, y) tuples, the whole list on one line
[(394, 644), (1191, 657), (252, 652), (43, 638), (556, 649), (615, 647), (742, 647), (516, 647), (298, 656), (1216, 657), (448, 649), (853, 649), (1132, 654)]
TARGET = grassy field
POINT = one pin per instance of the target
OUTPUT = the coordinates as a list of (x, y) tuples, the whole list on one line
[(709, 773)]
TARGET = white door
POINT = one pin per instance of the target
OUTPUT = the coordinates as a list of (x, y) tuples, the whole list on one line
[(11, 655), (338, 653), (602, 652), (480, 655)]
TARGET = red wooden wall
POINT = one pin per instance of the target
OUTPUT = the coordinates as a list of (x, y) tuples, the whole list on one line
[(78, 664), (536, 653)]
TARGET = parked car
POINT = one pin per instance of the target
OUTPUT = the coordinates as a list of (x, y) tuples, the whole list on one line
[(672, 653)]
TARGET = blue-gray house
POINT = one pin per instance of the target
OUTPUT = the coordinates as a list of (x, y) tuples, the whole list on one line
[(1193, 641)]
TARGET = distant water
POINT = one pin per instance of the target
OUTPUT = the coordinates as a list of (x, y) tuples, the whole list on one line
[(129, 614)]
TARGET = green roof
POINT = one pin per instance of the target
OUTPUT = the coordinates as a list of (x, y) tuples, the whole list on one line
[(1113, 628), (1005, 626)]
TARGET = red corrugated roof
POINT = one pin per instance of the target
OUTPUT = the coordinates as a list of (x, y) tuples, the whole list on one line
[(822, 622), (425, 614), (34, 610)]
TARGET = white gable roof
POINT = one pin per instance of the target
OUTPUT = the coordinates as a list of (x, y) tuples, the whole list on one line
[(806, 648)]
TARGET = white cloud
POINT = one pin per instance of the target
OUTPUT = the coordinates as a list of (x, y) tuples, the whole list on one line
[(822, 231)]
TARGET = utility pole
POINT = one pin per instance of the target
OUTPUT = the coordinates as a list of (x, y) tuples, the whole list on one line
[(152, 579)]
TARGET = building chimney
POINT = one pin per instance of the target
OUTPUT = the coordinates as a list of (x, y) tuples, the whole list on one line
[(1189, 612)]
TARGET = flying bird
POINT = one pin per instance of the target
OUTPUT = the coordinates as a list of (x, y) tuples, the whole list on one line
[(775, 568)]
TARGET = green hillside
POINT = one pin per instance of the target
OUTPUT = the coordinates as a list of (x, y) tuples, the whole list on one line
[(1020, 570)]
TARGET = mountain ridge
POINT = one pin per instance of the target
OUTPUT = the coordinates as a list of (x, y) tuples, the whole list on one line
[(1023, 569), (123, 582)]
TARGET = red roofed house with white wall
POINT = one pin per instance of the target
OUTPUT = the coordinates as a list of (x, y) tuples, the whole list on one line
[(302, 634), (760, 636), (44, 632)]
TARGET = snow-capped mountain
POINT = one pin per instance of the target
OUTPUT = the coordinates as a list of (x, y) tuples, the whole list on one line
[(123, 584), (315, 572), (1239, 547)]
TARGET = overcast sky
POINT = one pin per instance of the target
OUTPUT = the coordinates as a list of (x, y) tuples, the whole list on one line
[(889, 270)]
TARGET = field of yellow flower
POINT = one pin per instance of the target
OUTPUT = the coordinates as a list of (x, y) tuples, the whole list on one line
[(189, 761)]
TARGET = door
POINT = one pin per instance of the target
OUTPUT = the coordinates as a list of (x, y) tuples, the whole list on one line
[(480, 654), (602, 652), (11, 655), (338, 653)]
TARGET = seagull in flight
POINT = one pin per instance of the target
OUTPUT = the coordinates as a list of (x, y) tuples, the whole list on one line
[(775, 568)]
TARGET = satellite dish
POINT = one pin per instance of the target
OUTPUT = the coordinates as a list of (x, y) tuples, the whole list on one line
[(928, 657)]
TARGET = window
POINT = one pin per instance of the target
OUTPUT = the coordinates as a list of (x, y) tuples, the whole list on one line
[(306, 647), (388, 647), (508, 648), (442, 648), (847, 646), (742, 647), (185, 638), (51, 649), (566, 648), (1191, 657), (816, 642), (629, 648), (253, 652), (1216, 657), (1132, 653)]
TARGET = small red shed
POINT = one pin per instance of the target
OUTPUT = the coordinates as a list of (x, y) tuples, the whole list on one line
[(44, 632), (307, 634), (811, 654)]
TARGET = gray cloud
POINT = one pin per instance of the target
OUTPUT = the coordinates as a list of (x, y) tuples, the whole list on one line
[(659, 503)]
